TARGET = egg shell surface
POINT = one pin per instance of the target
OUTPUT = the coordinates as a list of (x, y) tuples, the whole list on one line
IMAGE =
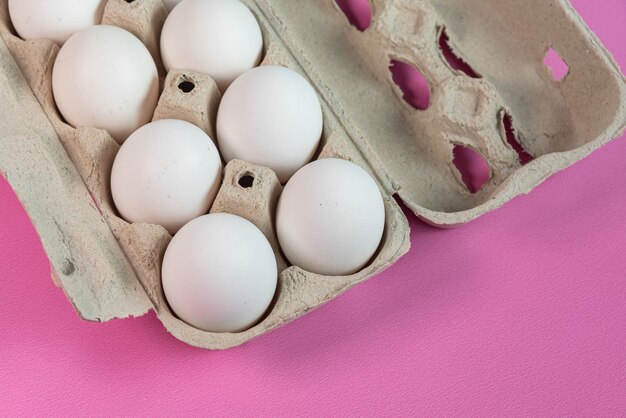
[(330, 218), (55, 20), (219, 273), (221, 38), (104, 77), (167, 173), (270, 116)]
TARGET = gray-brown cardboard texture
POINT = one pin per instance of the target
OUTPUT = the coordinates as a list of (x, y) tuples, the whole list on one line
[(109, 268)]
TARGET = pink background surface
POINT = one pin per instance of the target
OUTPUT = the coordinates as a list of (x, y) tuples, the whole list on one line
[(523, 312)]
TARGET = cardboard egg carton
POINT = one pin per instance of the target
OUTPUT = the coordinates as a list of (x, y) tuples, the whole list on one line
[(109, 268)]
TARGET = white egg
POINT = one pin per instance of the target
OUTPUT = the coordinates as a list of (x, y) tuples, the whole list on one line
[(56, 20), (219, 273), (104, 77), (270, 116), (220, 38), (330, 218), (167, 173)]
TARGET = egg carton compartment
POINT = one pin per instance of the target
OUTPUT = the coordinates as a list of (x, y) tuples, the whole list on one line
[(110, 269)]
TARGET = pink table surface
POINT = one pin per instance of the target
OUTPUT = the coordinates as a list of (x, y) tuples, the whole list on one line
[(523, 312)]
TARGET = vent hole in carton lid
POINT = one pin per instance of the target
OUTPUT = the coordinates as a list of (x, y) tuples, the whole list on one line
[(246, 180), (358, 12), (473, 167), (67, 267), (454, 61), (556, 65), (412, 83), (186, 86), (130, 1), (513, 140)]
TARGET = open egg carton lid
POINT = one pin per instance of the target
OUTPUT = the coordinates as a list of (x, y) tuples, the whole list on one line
[(509, 109)]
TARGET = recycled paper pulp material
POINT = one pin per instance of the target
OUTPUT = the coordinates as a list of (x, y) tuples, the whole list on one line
[(109, 268)]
